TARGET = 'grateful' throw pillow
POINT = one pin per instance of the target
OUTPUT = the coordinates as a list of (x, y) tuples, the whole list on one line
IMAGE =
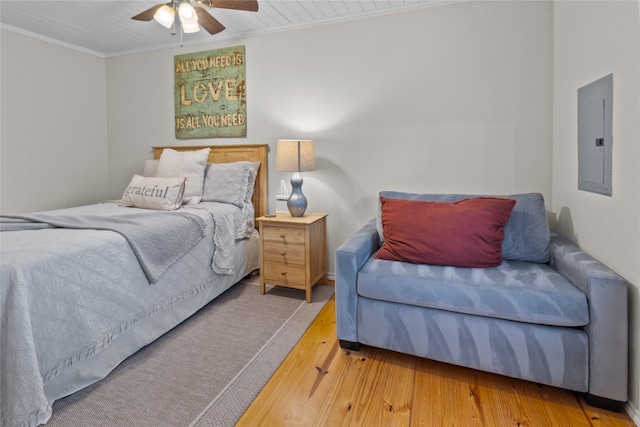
[(154, 193)]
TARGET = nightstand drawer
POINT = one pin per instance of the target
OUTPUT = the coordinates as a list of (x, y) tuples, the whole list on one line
[(285, 253), (283, 234), (290, 275)]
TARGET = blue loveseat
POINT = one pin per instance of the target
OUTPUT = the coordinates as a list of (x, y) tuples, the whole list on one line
[(549, 313)]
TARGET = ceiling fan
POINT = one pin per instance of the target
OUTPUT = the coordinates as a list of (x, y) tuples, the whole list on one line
[(192, 15)]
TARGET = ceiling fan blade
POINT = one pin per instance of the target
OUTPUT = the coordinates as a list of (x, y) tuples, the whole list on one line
[(249, 5), (208, 22), (147, 15)]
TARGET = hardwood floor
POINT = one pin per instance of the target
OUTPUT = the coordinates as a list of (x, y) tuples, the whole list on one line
[(320, 384)]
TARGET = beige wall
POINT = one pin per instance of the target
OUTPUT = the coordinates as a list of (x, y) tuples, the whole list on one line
[(451, 98), (441, 99), (53, 138), (606, 227)]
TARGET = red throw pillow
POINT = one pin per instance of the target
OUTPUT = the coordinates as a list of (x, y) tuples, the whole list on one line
[(467, 233)]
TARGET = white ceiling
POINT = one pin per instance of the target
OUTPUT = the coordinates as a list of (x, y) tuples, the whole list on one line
[(105, 28)]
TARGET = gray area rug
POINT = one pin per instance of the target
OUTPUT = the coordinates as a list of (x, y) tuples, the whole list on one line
[(204, 372)]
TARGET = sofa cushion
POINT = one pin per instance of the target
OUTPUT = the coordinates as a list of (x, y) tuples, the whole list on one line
[(521, 291), (526, 235), (466, 233)]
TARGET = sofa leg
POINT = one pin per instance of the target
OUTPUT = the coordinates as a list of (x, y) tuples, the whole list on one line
[(350, 345), (604, 403)]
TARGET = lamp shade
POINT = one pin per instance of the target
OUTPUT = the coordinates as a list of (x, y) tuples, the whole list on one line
[(293, 155), (188, 18), (165, 16)]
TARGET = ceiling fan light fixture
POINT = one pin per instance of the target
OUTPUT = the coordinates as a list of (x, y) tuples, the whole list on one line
[(192, 17), (191, 27), (188, 18), (165, 16)]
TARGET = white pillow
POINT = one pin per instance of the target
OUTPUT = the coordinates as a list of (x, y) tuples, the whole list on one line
[(226, 182), (154, 193), (150, 167), (188, 164)]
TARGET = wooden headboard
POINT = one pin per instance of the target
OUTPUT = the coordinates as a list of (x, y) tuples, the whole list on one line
[(236, 153)]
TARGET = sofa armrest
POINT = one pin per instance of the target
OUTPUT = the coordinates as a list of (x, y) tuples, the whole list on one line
[(607, 298), (350, 257)]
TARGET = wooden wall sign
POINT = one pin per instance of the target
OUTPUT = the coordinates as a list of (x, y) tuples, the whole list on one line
[(210, 94)]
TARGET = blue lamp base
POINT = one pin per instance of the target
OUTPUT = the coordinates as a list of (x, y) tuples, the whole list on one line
[(297, 203)]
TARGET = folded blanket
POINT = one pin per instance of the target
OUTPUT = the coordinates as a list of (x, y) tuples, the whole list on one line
[(157, 238)]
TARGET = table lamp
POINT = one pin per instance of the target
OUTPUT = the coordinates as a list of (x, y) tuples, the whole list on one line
[(296, 156)]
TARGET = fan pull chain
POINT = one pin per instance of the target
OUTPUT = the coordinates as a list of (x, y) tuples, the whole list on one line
[(173, 5)]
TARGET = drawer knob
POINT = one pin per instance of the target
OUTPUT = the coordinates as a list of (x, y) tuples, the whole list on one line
[(284, 273), (283, 253), (283, 235)]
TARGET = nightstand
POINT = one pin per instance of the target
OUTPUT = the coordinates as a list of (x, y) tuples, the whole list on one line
[(293, 251)]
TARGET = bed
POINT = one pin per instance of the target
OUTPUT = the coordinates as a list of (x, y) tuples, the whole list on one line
[(84, 288)]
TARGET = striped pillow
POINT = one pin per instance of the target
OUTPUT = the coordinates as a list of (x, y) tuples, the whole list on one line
[(187, 164)]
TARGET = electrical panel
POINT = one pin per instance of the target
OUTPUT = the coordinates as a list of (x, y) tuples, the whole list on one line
[(595, 136)]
